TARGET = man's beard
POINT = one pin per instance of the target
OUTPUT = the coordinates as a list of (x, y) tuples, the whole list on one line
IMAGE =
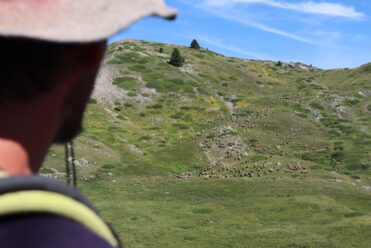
[(71, 127), (73, 111)]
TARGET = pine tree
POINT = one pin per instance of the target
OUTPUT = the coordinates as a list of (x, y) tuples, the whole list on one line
[(195, 44), (176, 58)]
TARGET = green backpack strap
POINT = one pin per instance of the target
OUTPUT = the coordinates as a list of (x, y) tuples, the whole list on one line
[(35, 194)]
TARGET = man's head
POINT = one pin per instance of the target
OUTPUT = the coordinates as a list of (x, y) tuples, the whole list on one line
[(50, 55), (31, 68)]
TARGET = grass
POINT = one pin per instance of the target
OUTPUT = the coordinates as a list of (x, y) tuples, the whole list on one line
[(234, 213), (127, 83), (271, 115)]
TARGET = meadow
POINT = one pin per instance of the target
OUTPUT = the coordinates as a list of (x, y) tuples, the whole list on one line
[(225, 152)]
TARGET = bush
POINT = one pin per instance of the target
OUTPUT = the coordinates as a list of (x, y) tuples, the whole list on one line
[(358, 167), (316, 105), (127, 83), (92, 101), (108, 166), (257, 158), (302, 115), (244, 112), (186, 108), (352, 102), (139, 68), (353, 214), (210, 136), (131, 93), (338, 146), (355, 177), (155, 106), (118, 109), (145, 138), (178, 115), (176, 58), (195, 45), (337, 155), (46, 170), (180, 126)]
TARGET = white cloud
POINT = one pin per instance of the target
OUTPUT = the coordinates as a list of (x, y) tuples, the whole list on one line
[(235, 17), (310, 7), (329, 35), (269, 29)]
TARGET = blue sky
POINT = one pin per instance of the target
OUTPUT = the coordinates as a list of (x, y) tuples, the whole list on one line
[(327, 34)]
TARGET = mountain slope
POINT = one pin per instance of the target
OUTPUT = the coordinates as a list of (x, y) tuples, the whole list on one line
[(259, 131), (227, 112)]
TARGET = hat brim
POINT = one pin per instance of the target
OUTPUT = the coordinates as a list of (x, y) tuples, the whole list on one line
[(75, 20)]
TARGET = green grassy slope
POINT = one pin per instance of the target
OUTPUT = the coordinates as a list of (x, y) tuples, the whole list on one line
[(225, 152)]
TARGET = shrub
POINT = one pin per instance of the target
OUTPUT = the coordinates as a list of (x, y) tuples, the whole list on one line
[(358, 167), (210, 136), (131, 93), (185, 108), (337, 155), (180, 126), (139, 68), (155, 106), (316, 105), (195, 45), (352, 102), (92, 101), (118, 109), (302, 115), (145, 138), (127, 83), (353, 214), (178, 115), (355, 177), (108, 166), (46, 170), (338, 146), (176, 58), (257, 158)]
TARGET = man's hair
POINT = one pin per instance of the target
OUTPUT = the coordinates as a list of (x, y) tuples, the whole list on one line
[(30, 67)]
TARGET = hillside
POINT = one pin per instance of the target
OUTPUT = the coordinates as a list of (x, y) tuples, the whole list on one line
[(220, 136)]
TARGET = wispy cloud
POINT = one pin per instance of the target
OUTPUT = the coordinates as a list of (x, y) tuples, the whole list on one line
[(309, 7), (266, 28), (230, 47), (236, 17)]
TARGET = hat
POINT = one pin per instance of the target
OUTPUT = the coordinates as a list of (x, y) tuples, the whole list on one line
[(75, 20)]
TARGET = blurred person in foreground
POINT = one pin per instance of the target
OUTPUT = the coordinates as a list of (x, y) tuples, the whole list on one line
[(51, 51)]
